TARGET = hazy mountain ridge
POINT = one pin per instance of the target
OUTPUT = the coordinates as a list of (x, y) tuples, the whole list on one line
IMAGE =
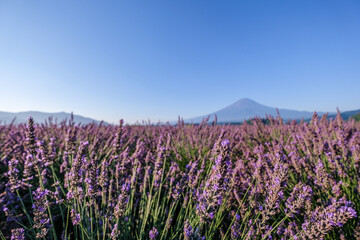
[(346, 115), (356, 116), (237, 112), (41, 117), (246, 108)]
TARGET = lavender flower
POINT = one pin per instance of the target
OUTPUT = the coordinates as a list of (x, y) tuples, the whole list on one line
[(76, 173), (92, 181), (274, 191), (18, 234), (104, 178), (41, 218), (235, 228), (153, 233), (180, 186), (71, 140), (119, 141), (13, 174), (122, 200), (158, 171), (322, 178), (75, 217), (115, 232), (216, 186), (321, 221), (188, 230), (300, 195), (30, 137)]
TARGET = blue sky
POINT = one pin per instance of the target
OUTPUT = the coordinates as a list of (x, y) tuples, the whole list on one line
[(156, 60)]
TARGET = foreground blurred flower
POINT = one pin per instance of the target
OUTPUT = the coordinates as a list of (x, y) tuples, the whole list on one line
[(300, 196), (18, 234), (122, 200), (323, 220), (153, 233), (274, 191), (75, 175), (13, 175), (216, 187), (235, 228), (115, 232), (41, 218), (75, 217), (188, 230)]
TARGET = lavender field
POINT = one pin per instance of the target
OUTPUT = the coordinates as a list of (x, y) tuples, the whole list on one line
[(252, 181)]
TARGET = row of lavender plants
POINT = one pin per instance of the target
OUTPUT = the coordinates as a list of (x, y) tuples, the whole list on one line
[(252, 181)]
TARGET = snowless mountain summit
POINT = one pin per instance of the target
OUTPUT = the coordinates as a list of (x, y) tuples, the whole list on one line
[(246, 108)]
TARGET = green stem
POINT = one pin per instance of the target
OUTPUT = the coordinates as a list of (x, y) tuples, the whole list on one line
[(24, 209), (274, 227)]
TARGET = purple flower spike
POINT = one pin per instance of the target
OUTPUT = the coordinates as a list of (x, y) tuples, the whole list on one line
[(153, 233), (225, 143), (75, 217), (18, 234)]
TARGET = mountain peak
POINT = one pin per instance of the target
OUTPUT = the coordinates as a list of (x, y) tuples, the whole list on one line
[(244, 103), (246, 100)]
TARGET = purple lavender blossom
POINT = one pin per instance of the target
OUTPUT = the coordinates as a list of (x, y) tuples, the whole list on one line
[(18, 234), (30, 137), (299, 197), (188, 230), (75, 217), (153, 233), (323, 220), (41, 218), (115, 232), (13, 175), (235, 228), (122, 200), (216, 186)]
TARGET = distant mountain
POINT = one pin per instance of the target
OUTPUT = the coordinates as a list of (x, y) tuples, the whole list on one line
[(356, 116), (246, 108), (346, 115), (41, 117)]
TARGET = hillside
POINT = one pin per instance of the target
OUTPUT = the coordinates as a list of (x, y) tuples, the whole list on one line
[(41, 117)]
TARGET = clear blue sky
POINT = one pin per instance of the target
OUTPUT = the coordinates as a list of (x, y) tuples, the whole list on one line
[(159, 59)]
